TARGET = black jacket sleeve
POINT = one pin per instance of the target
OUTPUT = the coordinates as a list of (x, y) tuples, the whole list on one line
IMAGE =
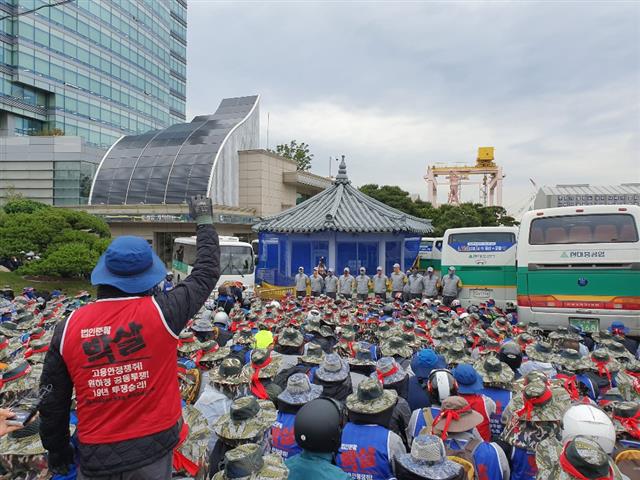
[(55, 407), (184, 301)]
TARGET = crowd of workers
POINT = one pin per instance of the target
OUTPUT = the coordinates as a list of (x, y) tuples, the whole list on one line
[(377, 387)]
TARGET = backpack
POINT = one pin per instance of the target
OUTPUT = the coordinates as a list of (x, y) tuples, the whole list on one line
[(464, 457), (628, 462)]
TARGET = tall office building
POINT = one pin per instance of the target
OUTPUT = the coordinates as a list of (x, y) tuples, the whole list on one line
[(89, 68)]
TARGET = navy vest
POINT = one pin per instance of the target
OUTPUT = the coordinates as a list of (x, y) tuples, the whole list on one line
[(502, 398), (283, 439), (364, 452)]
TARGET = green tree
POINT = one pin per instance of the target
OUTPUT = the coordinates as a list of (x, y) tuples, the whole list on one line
[(296, 151), (69, 242), (444, 217)]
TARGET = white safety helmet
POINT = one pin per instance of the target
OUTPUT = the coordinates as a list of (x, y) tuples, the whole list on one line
[(455, 303), (313, 315), (275, 304), (222, 318), (589, 421), (463, 315)]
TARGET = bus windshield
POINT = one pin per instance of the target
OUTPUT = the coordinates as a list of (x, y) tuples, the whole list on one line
[(236, 260), (596, 228)]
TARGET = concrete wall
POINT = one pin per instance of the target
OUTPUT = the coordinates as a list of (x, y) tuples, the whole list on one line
[(261, 182)]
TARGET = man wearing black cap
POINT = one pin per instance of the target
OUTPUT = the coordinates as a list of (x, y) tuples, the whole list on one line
[(116, 353)]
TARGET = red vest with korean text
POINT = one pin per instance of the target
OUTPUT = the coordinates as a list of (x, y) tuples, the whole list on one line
[(477, 404), (121, 356)]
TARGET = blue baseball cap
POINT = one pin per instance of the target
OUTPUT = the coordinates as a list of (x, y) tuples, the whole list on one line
[(618, 326), (130, 265), (426, 360), (469, 382)]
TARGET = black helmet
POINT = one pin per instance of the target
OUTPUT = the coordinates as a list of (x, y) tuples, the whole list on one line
[(511, 354), (318, 426), (441, 385)]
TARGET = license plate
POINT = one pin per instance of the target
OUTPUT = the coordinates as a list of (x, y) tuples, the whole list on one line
[(588, 325), (478, 293)]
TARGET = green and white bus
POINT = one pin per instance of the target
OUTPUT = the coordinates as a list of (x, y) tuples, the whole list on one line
[(430, 254), (485, 261), (581, 266), (236, 261)]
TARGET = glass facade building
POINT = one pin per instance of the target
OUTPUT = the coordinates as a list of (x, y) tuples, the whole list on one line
[(95, 69)]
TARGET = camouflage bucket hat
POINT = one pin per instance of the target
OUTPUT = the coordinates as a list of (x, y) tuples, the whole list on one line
[(188, 343), (246, 462), (10, 329), (562, 333), (290, 337), (25, 441), (570, 360), (540, 352), (457, 354), (248, 419), (230, 372), (195, 445), (20, 377), (539, 402), (37, 350), (493, 371), (299, 390), (212, 352), (619, 352), (333, 369), (388, 371), (396, 345), (556, 463), (600, 359), (26, 321), (243, 337), (625, 416), (441, 330), (371, 398), (361, 355), (313, 354), (5, 348), (260, 356), (428, 459)]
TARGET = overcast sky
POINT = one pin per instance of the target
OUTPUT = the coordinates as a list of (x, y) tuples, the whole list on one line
[(395, 86)]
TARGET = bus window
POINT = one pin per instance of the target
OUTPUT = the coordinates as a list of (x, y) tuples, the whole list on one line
[(596, 228), (236, 260)]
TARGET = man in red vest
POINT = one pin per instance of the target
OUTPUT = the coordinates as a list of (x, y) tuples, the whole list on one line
[(470, 388), (119, 354)]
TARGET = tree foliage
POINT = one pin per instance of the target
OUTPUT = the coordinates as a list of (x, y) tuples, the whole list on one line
[(69, 242), (296, 151), (444, 217)]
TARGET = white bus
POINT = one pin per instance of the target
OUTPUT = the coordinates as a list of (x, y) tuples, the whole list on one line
[(581, 266), (236, 261), (430, 253), (485, 261)]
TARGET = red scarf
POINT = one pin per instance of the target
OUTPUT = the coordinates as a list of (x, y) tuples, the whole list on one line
[(476, 341), (530, 403), (449, 416), (4, 344), (630, 424), (573, 471), (201, 353), (382, 375), (602, 369), (180, 462), (184, 341), (569, 384), (31, 351), (257, 388)]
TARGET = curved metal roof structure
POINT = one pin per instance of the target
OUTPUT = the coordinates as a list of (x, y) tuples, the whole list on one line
[(343, 208), (171, 165)]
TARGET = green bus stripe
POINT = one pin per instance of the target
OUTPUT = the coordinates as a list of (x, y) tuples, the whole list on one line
[(485, 274), (617, 283)]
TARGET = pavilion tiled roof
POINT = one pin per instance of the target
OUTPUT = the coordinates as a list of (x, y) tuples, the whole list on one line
[(343, 208)]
